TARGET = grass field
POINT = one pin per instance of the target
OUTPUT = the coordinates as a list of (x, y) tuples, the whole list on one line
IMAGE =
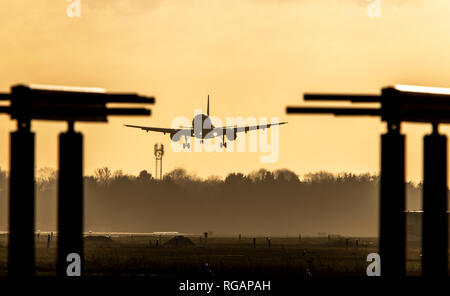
[(135, 255)]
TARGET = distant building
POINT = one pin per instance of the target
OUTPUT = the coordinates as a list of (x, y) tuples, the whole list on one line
[(414, 226)]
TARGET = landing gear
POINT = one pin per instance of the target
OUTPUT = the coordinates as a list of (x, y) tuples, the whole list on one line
[(186, 144), (223, 144)]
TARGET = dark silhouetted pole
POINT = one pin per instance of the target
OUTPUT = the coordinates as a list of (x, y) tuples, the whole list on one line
[(392, 203), (435, 224), (68, 104), (405, 103), (70, 197), (21, 202)]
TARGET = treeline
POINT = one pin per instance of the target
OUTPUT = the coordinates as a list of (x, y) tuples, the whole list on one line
[(262, 202)]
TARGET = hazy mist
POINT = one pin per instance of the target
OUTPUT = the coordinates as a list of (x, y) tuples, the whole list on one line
[(262, 202)]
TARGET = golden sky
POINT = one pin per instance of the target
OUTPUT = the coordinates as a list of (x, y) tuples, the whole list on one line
[(254, 57)]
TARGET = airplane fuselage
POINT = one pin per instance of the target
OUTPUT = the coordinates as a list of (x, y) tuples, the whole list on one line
[(202, 126)]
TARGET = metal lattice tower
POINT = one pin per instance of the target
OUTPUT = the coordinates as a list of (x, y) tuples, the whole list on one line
[(159, 153)]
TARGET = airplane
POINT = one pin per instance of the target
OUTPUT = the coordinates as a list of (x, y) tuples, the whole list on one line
[(204, 130)]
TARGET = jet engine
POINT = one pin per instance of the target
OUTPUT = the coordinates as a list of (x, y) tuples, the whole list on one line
[(175, 137), (231, 134)]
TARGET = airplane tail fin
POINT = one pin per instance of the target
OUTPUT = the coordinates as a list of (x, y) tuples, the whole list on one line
[(207, 108)]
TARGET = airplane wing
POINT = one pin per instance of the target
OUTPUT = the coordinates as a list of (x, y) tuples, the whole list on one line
[(249, 127), (215, 132), (162, 130)]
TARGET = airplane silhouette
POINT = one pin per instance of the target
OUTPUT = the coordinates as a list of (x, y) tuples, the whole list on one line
[(202, 128)]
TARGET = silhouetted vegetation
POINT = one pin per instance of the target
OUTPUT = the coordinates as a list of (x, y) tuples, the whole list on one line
[(261, 202)]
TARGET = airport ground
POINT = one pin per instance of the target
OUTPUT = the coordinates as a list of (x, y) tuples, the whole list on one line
[(226, 256)]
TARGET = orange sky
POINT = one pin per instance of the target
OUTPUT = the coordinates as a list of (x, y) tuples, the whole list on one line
[(254, 57)]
